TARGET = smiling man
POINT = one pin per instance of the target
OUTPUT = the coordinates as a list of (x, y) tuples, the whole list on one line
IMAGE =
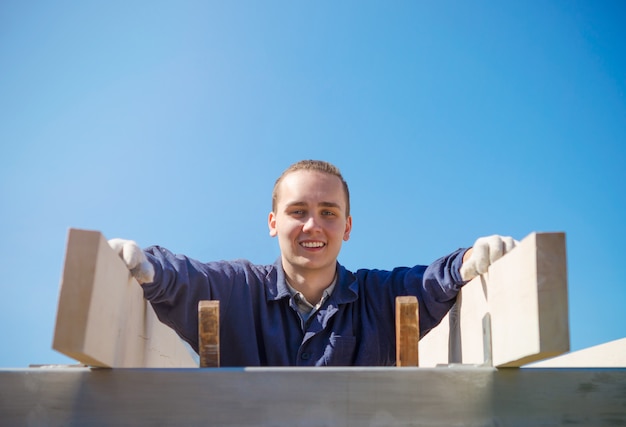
[(311, 218), (305, 309)]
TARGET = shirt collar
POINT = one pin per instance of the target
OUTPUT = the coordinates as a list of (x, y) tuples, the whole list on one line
[(305, 305), (345, 290)]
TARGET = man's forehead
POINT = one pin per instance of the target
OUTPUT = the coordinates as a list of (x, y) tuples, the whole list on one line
[(305, 179), (302, 185)]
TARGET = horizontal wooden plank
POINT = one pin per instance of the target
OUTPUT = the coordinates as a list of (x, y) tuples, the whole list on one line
[(515, 314), (608, 355), (102, 318), (313, 397)]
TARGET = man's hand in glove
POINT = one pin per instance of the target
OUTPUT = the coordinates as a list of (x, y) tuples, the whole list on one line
[(486, 251), (135, 259)]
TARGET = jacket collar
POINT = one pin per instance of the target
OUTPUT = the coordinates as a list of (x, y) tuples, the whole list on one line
[(346, 290)]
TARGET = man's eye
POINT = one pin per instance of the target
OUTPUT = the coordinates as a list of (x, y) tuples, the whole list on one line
[(328, 213), (297, 212)]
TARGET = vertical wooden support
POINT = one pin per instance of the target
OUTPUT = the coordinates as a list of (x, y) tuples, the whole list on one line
[(209, 334), (407, 331)]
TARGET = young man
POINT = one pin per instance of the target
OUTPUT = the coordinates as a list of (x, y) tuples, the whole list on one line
[(305, 309)]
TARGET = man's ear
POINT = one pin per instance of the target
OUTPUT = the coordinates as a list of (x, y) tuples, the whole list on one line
[(346, 234), (271, 223)]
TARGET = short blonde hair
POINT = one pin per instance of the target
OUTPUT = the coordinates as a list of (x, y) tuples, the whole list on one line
[(312, 165)]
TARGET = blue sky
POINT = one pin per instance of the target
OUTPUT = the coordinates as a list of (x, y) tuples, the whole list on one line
[(168, 122)]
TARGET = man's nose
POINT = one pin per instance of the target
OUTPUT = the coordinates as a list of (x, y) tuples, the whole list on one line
[(310, 224)]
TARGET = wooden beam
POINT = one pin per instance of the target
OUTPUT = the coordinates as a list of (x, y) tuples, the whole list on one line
[(277, 397), (209, 333), (608, 355), (514, 314), (407, 331), (102, 318)]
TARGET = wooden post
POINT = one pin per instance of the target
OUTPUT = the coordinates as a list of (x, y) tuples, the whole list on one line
[(407, 331), (209, 334)]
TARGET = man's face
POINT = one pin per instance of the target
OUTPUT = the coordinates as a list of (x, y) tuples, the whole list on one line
[(310, 221)]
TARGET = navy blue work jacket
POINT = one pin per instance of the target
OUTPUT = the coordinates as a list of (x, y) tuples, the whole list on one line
[(259, 322)]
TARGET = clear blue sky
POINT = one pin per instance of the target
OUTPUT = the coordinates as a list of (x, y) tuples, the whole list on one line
[(168, 122)]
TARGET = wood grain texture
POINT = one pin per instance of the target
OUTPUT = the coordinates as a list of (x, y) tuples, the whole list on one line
[(407, 331), (209, 333), (522, 299), (389, 397), (102, 318)]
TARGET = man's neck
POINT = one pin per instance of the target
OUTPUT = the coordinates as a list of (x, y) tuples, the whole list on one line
[(310, 283)]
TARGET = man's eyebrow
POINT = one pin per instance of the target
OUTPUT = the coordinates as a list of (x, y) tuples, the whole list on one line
[(296, 203), (323, 204)]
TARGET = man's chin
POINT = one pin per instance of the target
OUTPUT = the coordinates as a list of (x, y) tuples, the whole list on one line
[(310, 263)]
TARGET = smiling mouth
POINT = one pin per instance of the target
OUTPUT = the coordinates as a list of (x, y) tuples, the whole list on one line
[(312, 245)]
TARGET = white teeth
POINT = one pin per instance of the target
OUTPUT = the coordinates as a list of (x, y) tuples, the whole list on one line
[(312, 244)]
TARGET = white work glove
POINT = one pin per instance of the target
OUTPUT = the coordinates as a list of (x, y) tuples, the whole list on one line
[(135, 259), (486, 251)]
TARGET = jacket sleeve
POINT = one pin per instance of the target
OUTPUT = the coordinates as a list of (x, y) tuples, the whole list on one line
[(180, 283), (436, 289)]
